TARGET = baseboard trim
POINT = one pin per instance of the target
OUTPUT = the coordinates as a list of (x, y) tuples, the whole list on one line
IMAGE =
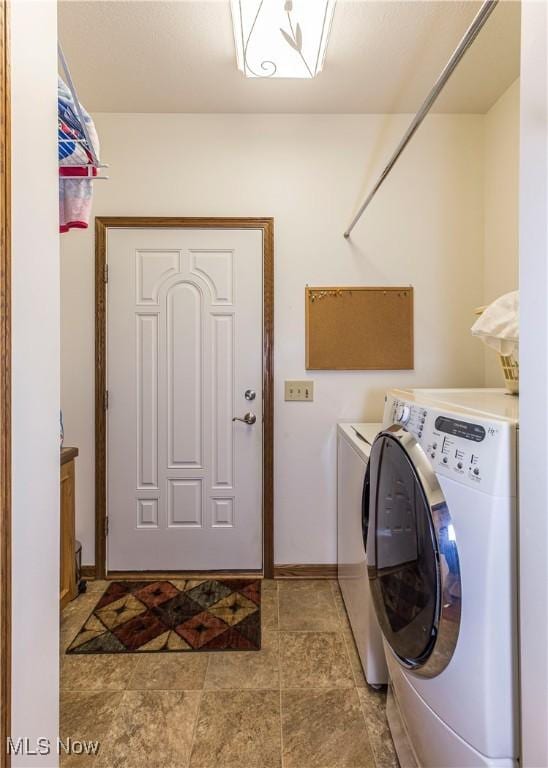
[(137, 575), (285, 571), (306, 571), (88, 571)]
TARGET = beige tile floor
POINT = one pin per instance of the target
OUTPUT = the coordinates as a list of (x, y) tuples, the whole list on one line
[(300, 702)]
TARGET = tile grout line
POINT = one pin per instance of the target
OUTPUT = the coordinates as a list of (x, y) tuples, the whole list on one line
[(198, 709), (93, 690), (343, 624), (111, 726), (348, 656), (334, 631), (132, 675), (345, 621), (120, 692), (105, 739), (212, 690), (280, 678), (337, 631), (370, 741), (281, 728)]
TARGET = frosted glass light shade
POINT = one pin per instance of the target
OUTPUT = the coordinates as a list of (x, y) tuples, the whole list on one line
[(281, 38)]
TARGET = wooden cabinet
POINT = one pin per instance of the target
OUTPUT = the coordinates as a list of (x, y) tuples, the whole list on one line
[(68, 585)]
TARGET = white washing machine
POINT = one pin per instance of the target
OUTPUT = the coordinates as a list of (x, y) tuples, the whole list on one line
[(353, 447), (442, 562)]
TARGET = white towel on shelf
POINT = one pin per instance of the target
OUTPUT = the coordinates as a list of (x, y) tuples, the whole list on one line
[(498, 325)]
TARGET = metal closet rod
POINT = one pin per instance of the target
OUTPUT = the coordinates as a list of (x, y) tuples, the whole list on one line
[(470, 35)]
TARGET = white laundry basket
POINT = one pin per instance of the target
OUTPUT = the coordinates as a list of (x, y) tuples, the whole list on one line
[(509, 365)]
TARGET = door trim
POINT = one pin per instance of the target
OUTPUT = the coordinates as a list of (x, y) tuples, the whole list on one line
[(5, 385), (102, 225)]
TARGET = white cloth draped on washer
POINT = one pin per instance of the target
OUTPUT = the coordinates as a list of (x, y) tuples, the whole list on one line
[(498, 325)]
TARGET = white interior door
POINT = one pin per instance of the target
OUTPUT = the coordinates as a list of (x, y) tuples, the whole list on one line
[(184, 344)]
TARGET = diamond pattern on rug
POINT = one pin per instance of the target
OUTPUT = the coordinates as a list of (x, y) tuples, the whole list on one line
[(157, 593), (92, 628), (140, 630), (176, 611), (253, 592), (233, 609), (120, 611), (173, 616), (169, 641), (201, 629), (209, 592)]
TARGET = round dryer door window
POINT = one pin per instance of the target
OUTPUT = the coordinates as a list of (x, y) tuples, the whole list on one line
[(412, 555)]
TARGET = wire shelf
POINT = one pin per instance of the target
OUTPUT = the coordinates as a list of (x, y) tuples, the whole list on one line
[(80, 172)]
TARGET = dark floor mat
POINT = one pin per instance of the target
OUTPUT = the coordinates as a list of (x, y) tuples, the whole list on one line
[(156, 616)]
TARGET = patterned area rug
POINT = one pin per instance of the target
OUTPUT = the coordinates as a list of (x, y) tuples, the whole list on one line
[(193, 615)]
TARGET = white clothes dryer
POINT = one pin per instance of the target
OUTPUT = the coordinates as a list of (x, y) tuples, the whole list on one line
[(353, 447), (442, 563)]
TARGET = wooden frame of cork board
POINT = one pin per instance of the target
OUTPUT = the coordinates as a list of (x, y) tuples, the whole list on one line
[(359, 328)]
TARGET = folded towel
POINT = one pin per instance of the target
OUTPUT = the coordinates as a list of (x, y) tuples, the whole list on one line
[(498, 325), (75, 197)]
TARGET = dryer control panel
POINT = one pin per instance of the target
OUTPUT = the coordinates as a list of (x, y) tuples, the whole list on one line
[(464, 447)]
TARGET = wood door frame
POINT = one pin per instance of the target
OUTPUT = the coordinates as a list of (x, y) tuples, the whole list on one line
[(5, 385), (102, 225)]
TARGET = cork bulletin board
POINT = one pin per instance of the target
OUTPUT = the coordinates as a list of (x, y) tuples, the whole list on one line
[(359, 328)]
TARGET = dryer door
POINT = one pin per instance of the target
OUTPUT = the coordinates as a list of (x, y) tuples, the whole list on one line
[(365, 505), (412, 556)]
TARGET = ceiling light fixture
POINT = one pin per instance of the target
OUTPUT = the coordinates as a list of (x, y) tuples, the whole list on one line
[(281, 38)]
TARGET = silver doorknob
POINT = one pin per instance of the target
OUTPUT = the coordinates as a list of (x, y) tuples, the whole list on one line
[(249, 418)]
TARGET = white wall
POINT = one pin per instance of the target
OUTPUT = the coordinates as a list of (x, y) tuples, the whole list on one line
[(424, 229), (35, 343), (533, 235), (501, 208)]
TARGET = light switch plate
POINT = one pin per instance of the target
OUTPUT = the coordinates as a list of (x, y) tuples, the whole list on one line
[(303, 391)]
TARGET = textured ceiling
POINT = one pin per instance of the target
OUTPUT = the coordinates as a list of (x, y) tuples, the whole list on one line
[(178, 56)]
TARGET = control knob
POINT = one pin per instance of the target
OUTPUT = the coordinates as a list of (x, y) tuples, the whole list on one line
[(403, 414)]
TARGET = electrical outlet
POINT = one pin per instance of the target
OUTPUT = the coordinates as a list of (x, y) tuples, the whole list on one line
[(300, 390)]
